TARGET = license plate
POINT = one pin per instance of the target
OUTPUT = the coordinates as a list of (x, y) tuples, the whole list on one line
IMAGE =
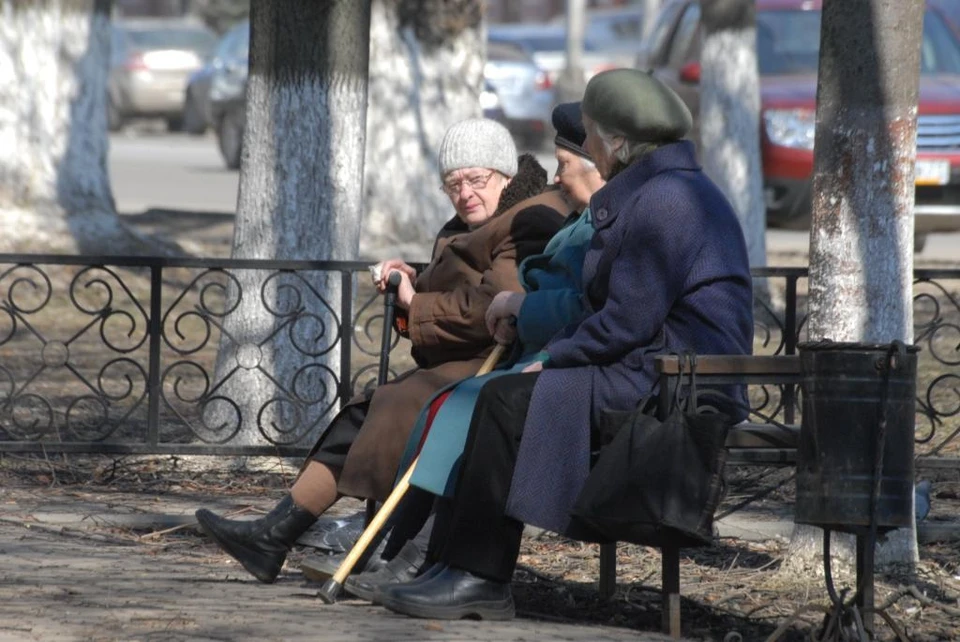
[(932, 171)]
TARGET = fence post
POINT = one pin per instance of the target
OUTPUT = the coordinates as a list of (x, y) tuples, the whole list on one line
[(154, 330)]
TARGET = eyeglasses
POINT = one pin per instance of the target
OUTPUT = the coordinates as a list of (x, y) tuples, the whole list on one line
[(475, 183)]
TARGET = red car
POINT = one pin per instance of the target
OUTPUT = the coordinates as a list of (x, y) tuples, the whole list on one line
[(788, 36)]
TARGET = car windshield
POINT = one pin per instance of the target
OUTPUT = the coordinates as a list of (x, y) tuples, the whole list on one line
[(197, 40), (505, 52), (788, 43)]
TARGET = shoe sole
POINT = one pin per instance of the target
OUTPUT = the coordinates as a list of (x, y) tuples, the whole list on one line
[(361, 592), (315, 574), (478, 610)]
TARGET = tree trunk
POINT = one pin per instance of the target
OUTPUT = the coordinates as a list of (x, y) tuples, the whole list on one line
[(54, 188), (418, 88), (300, 198), (571, 83), (730, 114), (861, 240), (650, 9)]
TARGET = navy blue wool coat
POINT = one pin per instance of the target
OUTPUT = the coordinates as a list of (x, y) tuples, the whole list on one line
[(667, 270)]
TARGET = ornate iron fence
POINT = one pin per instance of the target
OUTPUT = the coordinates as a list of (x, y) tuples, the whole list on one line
[(151, 356)]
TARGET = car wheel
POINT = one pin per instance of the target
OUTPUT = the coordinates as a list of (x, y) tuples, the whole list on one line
[(114, 117), (230, 139), (193, 122)]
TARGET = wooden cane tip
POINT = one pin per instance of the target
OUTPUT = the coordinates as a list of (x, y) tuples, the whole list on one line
[(329, 591)]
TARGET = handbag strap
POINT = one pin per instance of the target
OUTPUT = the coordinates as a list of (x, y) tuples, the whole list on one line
[(691, 400)]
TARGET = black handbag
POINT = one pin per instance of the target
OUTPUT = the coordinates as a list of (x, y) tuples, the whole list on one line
[(656, 482)]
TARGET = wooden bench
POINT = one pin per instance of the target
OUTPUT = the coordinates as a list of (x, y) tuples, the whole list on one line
[(747, 443)]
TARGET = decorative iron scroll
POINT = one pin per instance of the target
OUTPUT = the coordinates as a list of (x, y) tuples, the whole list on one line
[(71, 367), (102, 352)]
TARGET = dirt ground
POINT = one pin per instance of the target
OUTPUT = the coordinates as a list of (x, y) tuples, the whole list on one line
[(732, 591)]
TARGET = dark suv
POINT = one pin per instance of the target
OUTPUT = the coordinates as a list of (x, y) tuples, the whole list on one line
[(788, 36), (228, 93)]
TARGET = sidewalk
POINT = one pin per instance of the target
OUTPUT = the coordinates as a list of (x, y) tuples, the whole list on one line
[(71, 568)]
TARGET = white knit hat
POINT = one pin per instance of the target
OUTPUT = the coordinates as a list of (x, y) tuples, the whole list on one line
[(478, 142)]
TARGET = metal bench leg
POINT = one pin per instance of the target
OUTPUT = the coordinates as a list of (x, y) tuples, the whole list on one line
[(608, 570), (670, 572)]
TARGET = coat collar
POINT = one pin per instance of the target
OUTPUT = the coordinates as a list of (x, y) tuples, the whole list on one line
[(608, 201)]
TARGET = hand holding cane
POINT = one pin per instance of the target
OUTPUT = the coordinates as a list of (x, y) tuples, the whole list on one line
[(331, 588)]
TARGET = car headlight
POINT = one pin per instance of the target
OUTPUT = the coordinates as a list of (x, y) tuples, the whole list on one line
[(790, 127), (489, 100)]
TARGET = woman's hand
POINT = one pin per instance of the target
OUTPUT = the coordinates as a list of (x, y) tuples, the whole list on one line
[(405, 291), (505, 332), (503, 306), (384, 268), (536, 366)]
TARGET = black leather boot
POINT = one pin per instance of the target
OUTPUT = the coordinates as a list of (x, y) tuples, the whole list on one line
[(451, 594), (402, 568), (261, 545)]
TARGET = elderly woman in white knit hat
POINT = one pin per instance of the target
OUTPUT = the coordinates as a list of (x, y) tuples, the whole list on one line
[(503, 214)]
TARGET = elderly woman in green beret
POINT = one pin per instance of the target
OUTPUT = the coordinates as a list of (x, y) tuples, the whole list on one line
[(666, 271)]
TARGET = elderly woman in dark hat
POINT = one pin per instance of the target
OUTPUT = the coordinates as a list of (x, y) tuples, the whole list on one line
[(667, 271), (502, 216)]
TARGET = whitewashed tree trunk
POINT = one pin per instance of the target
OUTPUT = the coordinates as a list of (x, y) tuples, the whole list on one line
[(861, 239), (54, 188), (300, 198), (730, 115), (417, 90), (650, 9)]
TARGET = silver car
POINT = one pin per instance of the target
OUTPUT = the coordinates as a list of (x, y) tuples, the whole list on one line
[(151, 61), (525, 93)]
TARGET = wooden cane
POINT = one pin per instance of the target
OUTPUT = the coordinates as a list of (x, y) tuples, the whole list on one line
[(331, 588)]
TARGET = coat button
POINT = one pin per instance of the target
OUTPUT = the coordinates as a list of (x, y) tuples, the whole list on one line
[(601, 214)]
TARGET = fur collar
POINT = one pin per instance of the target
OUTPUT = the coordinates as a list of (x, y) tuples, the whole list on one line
[(530, 181)]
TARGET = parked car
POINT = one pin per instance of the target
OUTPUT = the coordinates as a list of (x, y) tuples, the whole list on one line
[(617, 29), (228, 96), (490, 103), (150, 63), (547, 47), (788, 56), (524, 92), (950, 10), (196, 100)]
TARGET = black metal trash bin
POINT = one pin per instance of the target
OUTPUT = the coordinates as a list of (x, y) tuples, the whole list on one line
[(845, 387)]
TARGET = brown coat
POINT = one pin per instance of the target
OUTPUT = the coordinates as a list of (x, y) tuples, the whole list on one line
[(447, 330)]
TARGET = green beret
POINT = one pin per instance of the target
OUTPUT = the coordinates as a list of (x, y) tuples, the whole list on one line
[(637, 105)]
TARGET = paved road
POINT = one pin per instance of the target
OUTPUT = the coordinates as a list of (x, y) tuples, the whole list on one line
[(175, 171), (167, 171)]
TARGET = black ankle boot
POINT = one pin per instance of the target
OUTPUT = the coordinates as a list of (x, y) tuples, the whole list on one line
[(261, 545), (402, 568)]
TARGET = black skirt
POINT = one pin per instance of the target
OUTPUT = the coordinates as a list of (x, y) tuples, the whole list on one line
[(334, 444)]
